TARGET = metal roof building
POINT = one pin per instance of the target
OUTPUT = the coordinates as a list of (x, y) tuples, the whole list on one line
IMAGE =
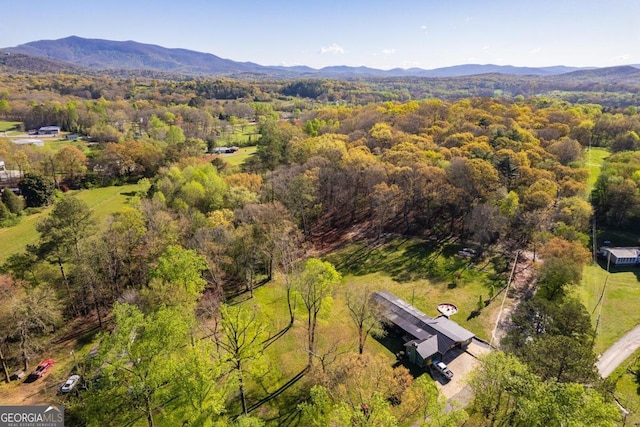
[(622, 255), (428, 337)]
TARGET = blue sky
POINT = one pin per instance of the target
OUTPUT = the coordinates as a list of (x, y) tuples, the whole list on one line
[(375, 33)]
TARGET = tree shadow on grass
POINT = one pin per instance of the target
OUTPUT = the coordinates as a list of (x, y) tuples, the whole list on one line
[(404, 259), (279, 391)]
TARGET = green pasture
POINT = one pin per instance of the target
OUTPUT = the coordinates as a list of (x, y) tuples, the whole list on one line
[(103, 201), (240, 135), (594, 157), (617, 310), (240, 156), (410, 269), (426, 275), (6, 126)]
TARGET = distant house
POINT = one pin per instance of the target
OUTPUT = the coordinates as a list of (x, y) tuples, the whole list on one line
[(49, 130), (72, 137), (426, 338), (619, 256), (221, 150)]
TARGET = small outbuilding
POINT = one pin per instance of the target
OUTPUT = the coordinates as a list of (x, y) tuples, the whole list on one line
[(621, 256)]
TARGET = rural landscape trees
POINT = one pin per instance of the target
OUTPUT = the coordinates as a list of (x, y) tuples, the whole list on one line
[(229, 292)]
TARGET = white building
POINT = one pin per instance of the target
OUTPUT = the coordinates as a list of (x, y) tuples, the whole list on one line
[(49, 130), (621, 255)]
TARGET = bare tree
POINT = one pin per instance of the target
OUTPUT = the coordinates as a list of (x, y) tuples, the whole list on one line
[(32, 315), (365, 313)]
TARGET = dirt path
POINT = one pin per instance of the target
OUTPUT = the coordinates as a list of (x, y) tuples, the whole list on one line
[(521, 287), (44, 390), (618, 352)]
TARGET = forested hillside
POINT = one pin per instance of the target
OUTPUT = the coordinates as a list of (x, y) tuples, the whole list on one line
[(212, 297)]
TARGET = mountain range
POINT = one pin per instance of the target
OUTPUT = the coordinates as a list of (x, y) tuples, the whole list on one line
[(77, 53)]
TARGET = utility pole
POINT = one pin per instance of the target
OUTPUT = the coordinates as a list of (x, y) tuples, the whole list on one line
[(506, 291)]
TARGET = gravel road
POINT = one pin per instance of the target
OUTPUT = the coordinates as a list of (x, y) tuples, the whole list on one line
[(618, 352)]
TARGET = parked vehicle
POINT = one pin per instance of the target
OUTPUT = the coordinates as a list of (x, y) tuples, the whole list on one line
[(443, 369), (42, 368), (467, 252), (70, 384), (17, 375)]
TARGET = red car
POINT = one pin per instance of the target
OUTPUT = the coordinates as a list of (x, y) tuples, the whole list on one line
[(42, 368)]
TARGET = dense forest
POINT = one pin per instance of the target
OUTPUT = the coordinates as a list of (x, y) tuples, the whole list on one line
[(337, 163)]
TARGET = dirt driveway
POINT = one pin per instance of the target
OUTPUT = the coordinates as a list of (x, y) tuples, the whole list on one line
[(461, 364)]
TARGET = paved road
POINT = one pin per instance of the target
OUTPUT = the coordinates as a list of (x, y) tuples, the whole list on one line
[(618, 352)]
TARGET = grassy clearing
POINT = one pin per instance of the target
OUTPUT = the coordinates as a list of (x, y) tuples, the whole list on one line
[(618, 310), (403, 267), (239, 135), (7, 126), (594, 157), (54, 145), (426, 276), (104, 202), (628, 388), (240, 156)]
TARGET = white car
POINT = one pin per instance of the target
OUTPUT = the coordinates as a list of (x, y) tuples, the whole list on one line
[(443, 369), (70, 384)]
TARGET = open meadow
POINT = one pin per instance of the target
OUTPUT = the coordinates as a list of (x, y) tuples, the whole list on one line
[(240, 156), (8, 126), (103, 201), (410, 269)]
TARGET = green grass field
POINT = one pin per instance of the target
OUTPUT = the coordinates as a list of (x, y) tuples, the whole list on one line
[(103, 201), (240, 156), (401, 267), (618, 312), (628, 388), (594, 157), (618, 309), (239, 135), (5, 126)]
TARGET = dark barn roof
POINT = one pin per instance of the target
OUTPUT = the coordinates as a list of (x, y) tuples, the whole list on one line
[(431, 335)]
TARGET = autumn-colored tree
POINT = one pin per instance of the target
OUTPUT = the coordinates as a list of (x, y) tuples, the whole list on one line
[(70, 161)]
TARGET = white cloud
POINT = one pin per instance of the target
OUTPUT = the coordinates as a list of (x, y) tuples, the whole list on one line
[(536, 50), (388, 51), (423, 28), (469, 19), (622, 58), (332, 49)]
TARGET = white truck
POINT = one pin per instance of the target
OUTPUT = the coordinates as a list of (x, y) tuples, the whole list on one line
[(443, 369)]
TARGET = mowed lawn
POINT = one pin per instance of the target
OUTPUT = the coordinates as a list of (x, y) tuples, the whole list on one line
[(5, 126), (627, 388), (594, 157), (401, 267), (617, 309), (103, 201), (240, 156)]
